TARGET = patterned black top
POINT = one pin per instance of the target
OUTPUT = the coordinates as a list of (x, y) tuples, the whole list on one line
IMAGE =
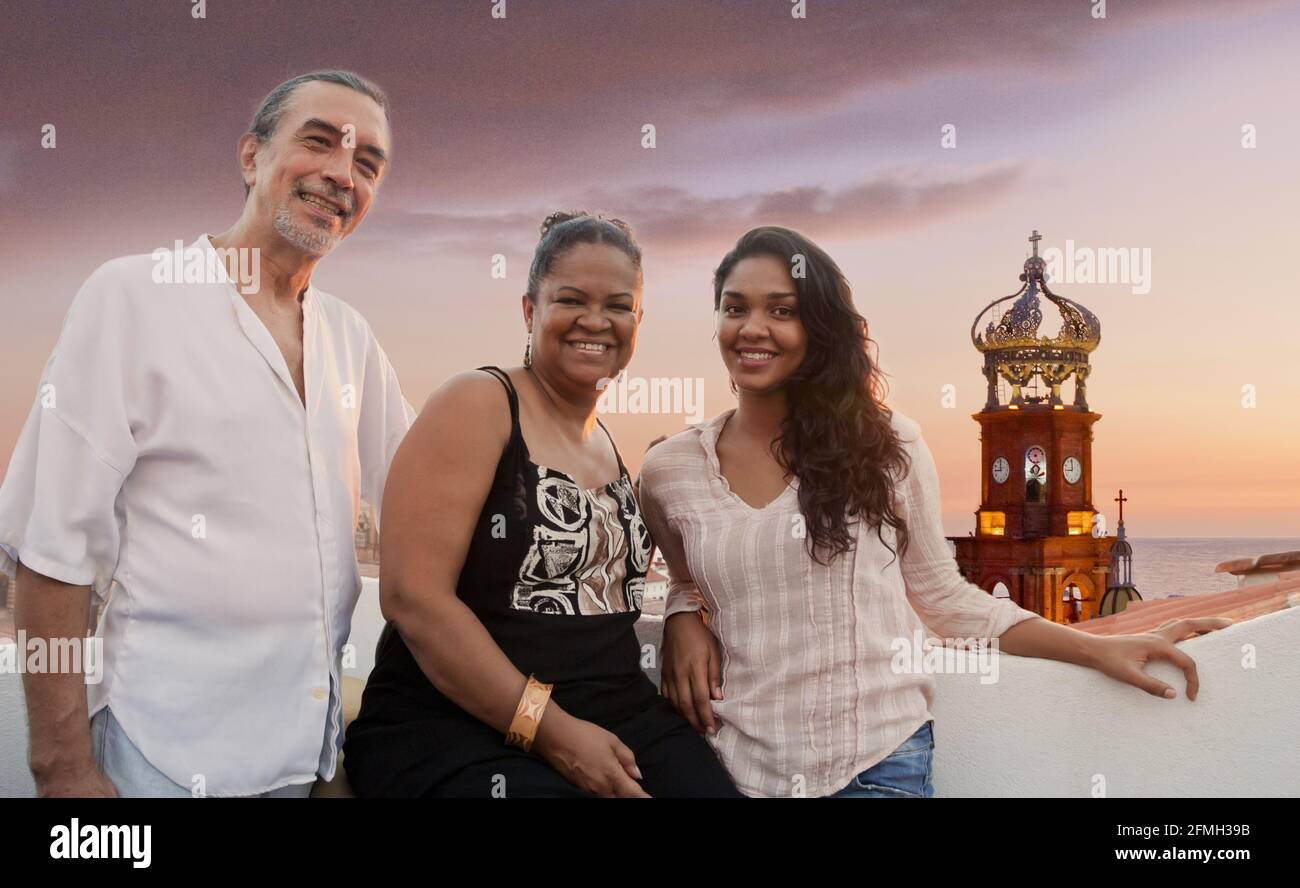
[(556, 574)]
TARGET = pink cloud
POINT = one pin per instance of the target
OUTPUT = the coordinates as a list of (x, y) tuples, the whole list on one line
[(671, 218)]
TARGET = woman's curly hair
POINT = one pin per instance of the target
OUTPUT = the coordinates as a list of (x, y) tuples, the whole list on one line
[(837, 437)]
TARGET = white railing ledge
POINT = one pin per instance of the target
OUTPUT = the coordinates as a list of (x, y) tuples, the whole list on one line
[(1047, 728)]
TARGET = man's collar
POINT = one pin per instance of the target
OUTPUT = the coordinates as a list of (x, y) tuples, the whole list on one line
[(307, 299)]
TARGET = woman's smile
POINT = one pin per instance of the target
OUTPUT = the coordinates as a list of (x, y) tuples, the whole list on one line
[(591, 347), (755, 358)]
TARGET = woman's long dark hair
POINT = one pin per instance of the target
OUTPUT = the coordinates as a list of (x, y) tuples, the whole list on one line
[(836, 438)]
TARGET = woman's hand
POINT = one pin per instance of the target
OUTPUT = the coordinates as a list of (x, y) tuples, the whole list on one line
[(1123, 656), (588, 756), (692, 669)]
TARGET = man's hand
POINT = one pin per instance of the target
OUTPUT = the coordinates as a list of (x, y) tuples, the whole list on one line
[(57, 719), (81, 780)]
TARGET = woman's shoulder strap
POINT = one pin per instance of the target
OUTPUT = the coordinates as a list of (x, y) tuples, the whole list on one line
[(622, 469), (511, 394)]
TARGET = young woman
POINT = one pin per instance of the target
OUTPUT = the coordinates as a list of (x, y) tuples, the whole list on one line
[(513, 562), (805, 525)]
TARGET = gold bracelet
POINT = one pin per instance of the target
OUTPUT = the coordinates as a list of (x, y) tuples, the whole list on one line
[(528, 714)]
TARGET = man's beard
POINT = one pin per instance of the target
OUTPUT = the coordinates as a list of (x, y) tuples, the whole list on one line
[(310, 238)]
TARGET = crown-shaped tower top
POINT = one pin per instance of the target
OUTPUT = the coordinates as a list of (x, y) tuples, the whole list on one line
[(1016, 352)]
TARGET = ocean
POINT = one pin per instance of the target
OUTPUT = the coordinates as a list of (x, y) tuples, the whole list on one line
[(1165, 566)]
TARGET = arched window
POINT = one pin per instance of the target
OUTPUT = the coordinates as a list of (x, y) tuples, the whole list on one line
[(1035, 474)]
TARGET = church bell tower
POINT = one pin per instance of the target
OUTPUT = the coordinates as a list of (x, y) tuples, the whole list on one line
[(1038, 539)]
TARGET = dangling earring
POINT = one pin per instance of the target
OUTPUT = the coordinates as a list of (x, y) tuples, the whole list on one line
[(528, 350)]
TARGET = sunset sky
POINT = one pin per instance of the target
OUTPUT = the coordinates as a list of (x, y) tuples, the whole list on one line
[(1117, 132)]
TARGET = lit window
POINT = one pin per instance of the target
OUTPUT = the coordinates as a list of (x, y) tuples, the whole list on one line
[(1079, 523), (993, 523)]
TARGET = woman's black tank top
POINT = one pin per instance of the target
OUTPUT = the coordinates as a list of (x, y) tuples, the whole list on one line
[(556, 574)]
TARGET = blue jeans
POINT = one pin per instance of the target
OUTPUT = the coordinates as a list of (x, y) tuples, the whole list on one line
[(903, 774), (134, 777)]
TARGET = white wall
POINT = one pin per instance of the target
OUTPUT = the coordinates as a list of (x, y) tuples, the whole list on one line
[(367, 623), (1046, 728), (15, 779)]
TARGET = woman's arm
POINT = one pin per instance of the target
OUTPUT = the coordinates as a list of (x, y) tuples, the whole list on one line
[(1120, 656), (957, 608), (948, 604), (439, 480), (691, 658)]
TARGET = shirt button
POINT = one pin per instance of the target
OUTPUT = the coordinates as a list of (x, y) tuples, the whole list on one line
[(318, 693)]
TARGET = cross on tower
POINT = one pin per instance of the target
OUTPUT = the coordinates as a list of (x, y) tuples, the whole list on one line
[(1121, 499), (1034, 239)]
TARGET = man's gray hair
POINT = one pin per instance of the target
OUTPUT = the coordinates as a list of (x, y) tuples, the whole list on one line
[(268, 115)]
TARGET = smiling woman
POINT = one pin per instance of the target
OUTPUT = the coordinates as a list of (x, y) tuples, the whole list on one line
[(804, 527), (583, 302), (793, 341), (786, 523), (513, 566)]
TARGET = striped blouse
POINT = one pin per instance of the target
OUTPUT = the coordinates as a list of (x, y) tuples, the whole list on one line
[(809, 696)]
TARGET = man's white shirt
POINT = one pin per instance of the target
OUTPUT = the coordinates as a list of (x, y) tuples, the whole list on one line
[(168, 460)]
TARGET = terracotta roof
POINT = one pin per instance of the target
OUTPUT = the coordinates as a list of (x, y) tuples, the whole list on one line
[(1238, 604), (1274, 563)]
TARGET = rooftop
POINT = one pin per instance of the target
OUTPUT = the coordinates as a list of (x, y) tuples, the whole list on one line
[(1243, 603)]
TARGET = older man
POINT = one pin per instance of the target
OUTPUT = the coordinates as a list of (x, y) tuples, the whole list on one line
[(205, 428)]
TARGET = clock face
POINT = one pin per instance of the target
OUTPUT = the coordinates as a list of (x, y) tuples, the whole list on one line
[(1073, 469), (1001, 469), (1035, 464)]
